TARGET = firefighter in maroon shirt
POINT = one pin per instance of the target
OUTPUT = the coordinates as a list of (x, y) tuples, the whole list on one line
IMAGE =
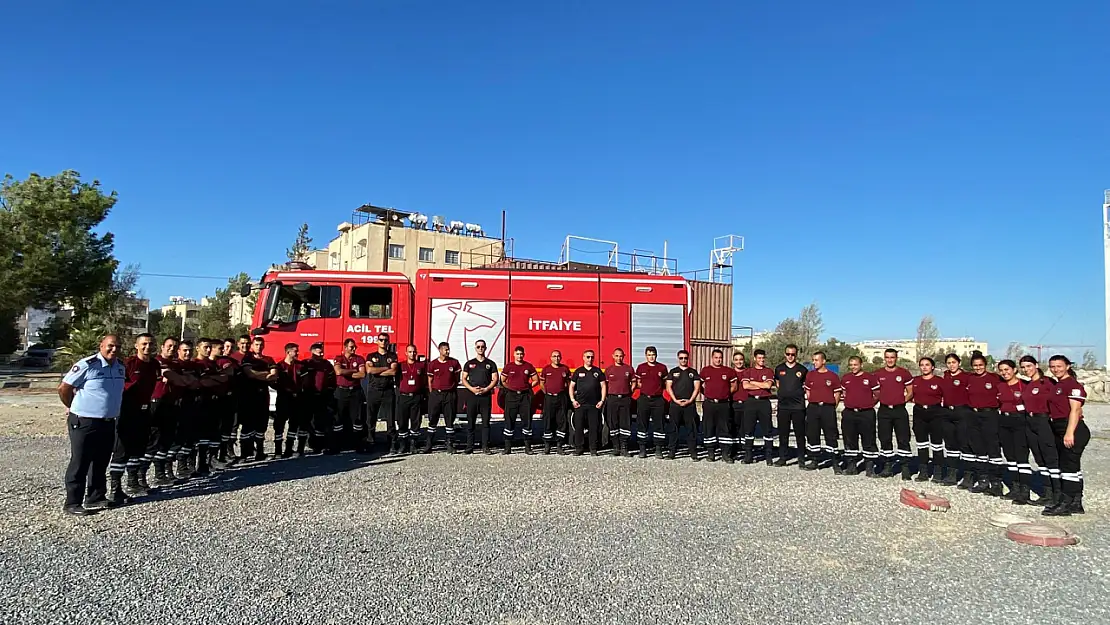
[(287, 405), (1038, 428), (518, 378), (1011, 432), (758, 380), (1065, 412), (982, 397), (858, 419), (163, 413), (620, 379), (413, 394), (133, 425), (895, 391), (957, 416), (554, 378), (258, 371), (350, 369), (184, 400), (823, 390), (319, 389), (212, 385), (443, 380), (229, 365), (718, 382), (650, 406), (739, 396), (928, 422)]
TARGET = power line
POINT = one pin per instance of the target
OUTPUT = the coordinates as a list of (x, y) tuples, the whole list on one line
[(178, 275)]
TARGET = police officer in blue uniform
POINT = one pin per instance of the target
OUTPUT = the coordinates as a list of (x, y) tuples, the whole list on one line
[(92, 392)]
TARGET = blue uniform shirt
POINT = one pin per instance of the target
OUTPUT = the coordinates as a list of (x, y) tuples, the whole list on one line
[(99, 387)]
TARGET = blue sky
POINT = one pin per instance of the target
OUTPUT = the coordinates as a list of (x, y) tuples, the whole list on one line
[(886, 161)]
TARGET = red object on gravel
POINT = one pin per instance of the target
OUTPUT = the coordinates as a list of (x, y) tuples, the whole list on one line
[(1041, 535), (924, 501)]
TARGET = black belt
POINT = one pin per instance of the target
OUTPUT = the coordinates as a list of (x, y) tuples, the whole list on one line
[(717, 401), (983, 409), (618, 395), (451, 390), (1040, 414), (1011, 414), (924, 407), (511, 390), (857, 409), (892, 406), (821, 403), (411, 394), (759, 399), (106, 419), (954, 407)]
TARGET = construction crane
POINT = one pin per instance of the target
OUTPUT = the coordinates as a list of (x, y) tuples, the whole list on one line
[(1040, 347)]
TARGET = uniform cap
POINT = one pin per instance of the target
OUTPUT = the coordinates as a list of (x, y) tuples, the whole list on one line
[(319, 346)]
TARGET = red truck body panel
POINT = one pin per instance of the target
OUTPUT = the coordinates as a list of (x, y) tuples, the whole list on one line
[(538, 310)]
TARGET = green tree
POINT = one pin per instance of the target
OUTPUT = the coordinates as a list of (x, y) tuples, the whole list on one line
[(838, 352), (115, 308), (927, 335), (54, 332), (84, 340), (1014, 351), (1090, 361), (164, 326), (215, 321), (810, 327), (302, 245), (49, 252)]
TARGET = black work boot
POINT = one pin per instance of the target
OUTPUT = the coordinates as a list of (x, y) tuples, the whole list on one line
[(950, 475), (277, 449), (1021, 495), (222, 455), (907, 472), (116, 496), (836, 466), (528, 446), (624, 447), (852, 467), (1060, 508), (288, 451), (259, 450), (769, 454), (578, 450), (450, 442), (133, 486), (711, 453), (302, 444), (642, 452), (202, 468), (869, 468), (726, 454), (672, 453), (560, 447), (981, 485), (183, 471), (485, 442), (783, 450), (143, 484), (994, 487), (809, 465), (1076, 505), (923, 472), (938, 472), (1015, 488), (427, 443), (547, 447), (967, 481), (658, 451), (508, 448), (888, 467), (162, 475), (469, 441), (246, 449), (692, 449), (749, 456)]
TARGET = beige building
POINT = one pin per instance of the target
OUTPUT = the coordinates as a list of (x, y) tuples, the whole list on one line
[(907, 348), (241, 309), (413, 244), (188, 310)]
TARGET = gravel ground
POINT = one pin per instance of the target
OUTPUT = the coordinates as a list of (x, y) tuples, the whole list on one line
[(477, 539)]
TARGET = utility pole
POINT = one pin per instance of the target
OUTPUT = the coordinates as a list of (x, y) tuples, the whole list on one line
[(388, 216), (1106, 262)]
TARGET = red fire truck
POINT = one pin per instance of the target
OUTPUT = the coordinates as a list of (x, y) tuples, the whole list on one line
[(540, 310)]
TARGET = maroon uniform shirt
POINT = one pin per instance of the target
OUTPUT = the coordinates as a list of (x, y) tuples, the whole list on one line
[(822, 386), (859, 390), (518, 377), (953, 388), (142, 377), (716, 382), (258, 364), (319, 375), (354, 362), (414, 377), (619, 379), (1036, 393), (1059, 400), (741, 394), (1009, 396), (555, 379), (444, 374), (651, 376), (927, 392), (982, 390), (288, 374), (892, 385), (758, 374)]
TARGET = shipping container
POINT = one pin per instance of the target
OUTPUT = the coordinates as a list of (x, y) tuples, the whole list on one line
[(701, 353), (711, 311)]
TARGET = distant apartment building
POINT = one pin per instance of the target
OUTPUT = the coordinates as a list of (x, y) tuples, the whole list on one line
[(131, 313), (907, 348), (415, 242)]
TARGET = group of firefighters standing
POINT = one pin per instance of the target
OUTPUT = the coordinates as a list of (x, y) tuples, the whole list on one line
[(184, 407)]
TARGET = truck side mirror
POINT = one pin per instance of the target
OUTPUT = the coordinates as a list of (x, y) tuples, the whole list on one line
[(259, 331), (245, 291)]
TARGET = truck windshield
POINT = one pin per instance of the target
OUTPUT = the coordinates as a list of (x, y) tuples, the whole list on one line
[(312, 303)]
